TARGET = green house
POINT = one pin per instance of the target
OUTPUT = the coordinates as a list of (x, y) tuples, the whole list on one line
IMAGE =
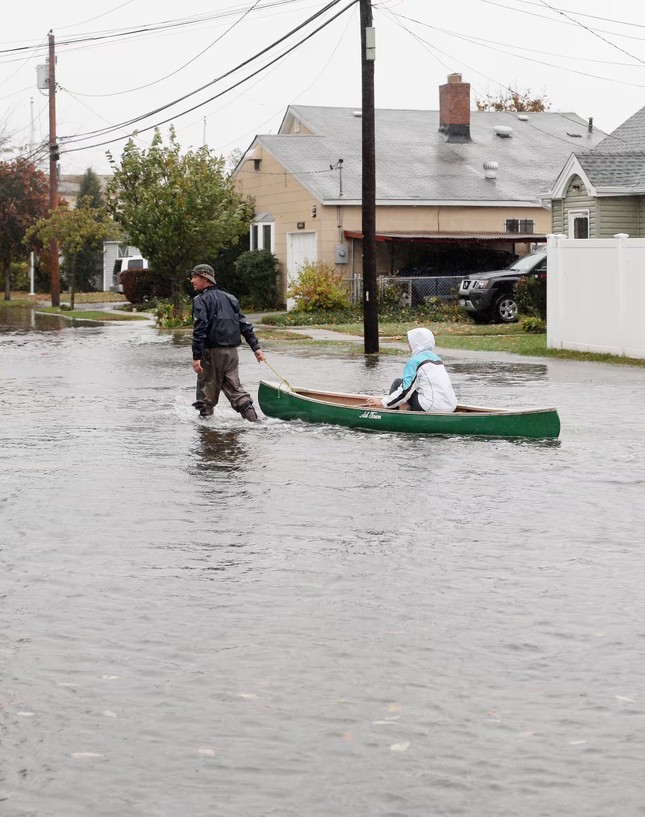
[(601, 192)]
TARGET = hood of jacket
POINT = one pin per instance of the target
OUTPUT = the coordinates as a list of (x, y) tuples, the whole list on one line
[(421, 340)]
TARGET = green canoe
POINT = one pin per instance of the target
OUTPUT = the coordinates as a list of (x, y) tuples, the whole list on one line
[(292, 403)]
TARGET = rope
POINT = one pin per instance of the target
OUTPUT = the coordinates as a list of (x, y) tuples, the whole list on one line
[(277, 374)]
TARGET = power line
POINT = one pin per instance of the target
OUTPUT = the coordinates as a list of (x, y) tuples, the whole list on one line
[(562, 22), (591, 31), (629, 23), (105, 131), (133, 31), (181, 67), (519, 56)]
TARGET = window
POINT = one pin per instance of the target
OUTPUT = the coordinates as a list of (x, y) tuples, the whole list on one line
[(262, 235), (519, 225), (579, 224)]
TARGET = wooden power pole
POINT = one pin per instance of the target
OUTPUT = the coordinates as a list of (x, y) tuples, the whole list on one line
[(53, 171), (370, 292)]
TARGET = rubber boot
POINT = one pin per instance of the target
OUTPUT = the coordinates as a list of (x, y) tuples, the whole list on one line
[(203, 408), (249, 413)]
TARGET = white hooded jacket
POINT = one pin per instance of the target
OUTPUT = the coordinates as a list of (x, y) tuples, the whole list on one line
[(424, 373)]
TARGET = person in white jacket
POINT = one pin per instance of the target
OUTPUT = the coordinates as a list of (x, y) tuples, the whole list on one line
[(425, 385)]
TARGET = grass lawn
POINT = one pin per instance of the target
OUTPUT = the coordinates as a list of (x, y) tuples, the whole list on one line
[(483, 338), (91, 314)]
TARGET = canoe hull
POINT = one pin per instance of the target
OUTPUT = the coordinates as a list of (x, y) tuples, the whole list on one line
[(278, 400)]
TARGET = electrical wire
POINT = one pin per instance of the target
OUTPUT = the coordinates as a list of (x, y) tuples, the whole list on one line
[(528, 59), (591, 31), (143, 29), (484, 42), (562, 22), (629, 23), (181, 67), (104, 131)]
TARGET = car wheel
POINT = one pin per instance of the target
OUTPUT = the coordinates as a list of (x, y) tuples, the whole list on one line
[(506, 308)]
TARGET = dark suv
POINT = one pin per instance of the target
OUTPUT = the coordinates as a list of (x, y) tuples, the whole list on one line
[(490, 296)]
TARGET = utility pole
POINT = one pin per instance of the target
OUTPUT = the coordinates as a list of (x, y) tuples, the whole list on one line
[(370, 292), (53, 171)]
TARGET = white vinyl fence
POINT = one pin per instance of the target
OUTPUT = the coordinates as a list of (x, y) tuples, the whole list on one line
[(596, 294)]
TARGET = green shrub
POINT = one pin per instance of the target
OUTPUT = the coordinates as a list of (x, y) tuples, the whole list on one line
[(168, 317), (533, 325), (255, 281), (19, 271), (141, 285), (319, 286), (531, 296)]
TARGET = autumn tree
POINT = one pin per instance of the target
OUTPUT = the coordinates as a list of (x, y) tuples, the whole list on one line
[(24, 198), (509, 100), (73, 230), (177, 208)]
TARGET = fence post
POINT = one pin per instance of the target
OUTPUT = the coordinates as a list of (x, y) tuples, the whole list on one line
[(555, 312), (620, 270)]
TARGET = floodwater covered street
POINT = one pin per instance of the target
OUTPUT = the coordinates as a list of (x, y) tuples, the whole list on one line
[(240, 620)]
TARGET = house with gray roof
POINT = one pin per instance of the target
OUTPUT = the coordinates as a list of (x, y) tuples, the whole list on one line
[(601, 192), (456, 190)]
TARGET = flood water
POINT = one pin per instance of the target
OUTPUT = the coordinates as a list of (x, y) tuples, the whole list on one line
[(223, 619)]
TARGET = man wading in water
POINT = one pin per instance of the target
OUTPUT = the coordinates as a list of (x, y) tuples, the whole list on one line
[(218, 327)]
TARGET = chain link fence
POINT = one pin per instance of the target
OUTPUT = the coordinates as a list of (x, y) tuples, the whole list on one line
[(414, 290)]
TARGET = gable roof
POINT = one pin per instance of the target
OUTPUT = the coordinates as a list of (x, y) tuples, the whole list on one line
[(624, 170), (630, 136), (415, 164), (615, 167)]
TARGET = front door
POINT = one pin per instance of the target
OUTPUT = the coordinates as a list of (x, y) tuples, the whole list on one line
[(301, 247), (579, 224)]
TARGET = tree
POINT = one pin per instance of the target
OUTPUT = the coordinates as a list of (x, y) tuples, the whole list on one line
[(73, 230), (88, 261), (24, 198), (177, 209), (508, 100)]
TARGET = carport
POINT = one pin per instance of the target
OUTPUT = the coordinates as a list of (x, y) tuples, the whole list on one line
[(439, 253)]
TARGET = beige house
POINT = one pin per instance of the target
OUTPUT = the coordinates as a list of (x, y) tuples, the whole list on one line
[(456, 190)]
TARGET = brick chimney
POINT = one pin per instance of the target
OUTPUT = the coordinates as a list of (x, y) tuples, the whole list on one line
[(454, 109)]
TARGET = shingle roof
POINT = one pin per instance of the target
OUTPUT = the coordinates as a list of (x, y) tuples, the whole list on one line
[(625, 169), (415, 163), (630, 136)]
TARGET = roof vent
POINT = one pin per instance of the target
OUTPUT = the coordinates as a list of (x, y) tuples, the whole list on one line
[(503, 131), (357, 113), (522, 117), (490, 170)]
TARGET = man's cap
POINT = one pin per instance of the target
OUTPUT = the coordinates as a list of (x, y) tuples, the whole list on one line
[(205, 271)]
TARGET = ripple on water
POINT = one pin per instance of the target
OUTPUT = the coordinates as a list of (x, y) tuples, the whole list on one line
[(227, 617)]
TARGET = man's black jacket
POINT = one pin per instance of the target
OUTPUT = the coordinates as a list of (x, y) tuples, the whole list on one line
[(218, 321)]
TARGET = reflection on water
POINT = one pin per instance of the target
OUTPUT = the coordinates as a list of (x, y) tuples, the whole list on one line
[(227, 618), (220, 449)]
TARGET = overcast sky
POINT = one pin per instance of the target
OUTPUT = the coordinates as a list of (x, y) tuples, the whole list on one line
[(117, 61)]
